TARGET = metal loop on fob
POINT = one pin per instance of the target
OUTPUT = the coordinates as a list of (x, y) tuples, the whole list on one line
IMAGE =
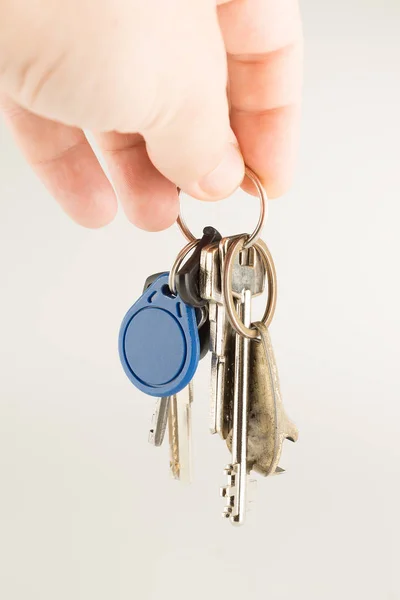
[(251, 239), (178, 262), (234, 249)]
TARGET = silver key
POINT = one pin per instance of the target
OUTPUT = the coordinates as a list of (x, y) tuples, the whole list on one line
[(268, 424), (159, 422), (180, 434), (222, 336), (236, 490), (250, 274), (222, 339)]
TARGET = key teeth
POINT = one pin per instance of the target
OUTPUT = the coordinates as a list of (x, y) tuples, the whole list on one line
[(228, 492), (230, 470), (235, 520), (225, 491)]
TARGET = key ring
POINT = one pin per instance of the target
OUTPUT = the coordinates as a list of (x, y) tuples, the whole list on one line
[(251, 239), (178, 261), (237, 246)]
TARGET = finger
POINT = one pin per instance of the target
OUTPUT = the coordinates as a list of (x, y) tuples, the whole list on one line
[(192, 143), (150, 201), (64, 161), (263, 39)]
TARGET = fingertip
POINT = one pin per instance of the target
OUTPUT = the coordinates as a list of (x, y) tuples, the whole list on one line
[(66, 164), (278, 189), (155, 227), (274, 187), (90, 211), (223, 180), (156, 209), (153, 221), (149, 200)]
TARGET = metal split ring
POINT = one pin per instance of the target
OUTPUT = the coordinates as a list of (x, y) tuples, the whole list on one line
[(235, 248), (251, 239)]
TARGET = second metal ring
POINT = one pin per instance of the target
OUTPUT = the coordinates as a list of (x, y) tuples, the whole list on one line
[(237, 246)]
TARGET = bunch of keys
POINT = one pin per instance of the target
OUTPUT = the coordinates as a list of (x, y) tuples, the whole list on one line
[(204, 303)]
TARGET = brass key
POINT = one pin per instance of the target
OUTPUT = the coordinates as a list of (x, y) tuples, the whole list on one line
[(268, 424)]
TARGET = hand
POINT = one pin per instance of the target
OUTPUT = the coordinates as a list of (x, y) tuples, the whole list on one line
[(149, 79)]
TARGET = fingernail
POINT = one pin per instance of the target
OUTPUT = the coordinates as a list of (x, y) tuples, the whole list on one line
[(226, 177)]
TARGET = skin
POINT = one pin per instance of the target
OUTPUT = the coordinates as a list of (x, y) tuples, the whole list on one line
[(170, 90)]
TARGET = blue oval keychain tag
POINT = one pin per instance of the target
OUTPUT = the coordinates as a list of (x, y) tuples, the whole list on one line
[(159, 343)]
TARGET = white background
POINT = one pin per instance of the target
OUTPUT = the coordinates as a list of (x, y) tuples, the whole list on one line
[(87, 508)]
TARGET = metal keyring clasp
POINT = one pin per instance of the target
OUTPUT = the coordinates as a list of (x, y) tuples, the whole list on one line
[(237, 246), (253, 237)]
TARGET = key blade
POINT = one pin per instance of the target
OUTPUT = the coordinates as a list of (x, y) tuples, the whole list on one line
[(173, 431), (222, 344), (180, 434), (159, 422), (222, 339)]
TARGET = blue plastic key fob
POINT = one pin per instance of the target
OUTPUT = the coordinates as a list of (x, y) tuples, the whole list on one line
[(159, 343)]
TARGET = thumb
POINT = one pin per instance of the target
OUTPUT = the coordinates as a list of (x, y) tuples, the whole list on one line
[(191, 141)]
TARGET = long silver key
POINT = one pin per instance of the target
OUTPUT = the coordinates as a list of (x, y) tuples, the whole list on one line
[(250, 276), (180, 434), (222, 339), (222, 336), (159, 422), (268, 424), (236, 491)]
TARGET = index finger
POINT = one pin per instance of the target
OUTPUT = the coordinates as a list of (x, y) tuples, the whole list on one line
[(263, 40)]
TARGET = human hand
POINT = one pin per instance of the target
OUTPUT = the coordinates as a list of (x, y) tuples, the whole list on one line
[(149, 79)]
